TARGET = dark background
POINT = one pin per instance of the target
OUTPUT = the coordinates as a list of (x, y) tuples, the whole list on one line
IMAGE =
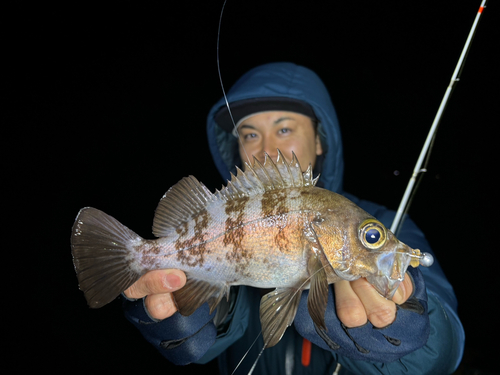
[(106, 107)]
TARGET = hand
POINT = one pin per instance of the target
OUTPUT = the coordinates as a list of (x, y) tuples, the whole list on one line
[(157, 286), (357, 302)]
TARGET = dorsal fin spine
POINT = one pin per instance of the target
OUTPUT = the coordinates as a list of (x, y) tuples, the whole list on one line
[(315, 180), (232, 190), (273, 172), (308, 176), (261, 172), (254, 179), (189, 197), (199, 191), (296, 171), (238, 186), (251, 187), (284, 170)]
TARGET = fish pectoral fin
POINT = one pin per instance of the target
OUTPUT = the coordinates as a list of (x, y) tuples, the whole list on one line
[(277, 311), (318, 292), (196, 292), (318, 268)]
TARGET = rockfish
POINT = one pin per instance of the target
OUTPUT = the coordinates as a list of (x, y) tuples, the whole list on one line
[(270, 227)]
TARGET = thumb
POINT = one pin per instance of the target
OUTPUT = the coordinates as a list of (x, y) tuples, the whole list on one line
[(404, 291), (156, 282)]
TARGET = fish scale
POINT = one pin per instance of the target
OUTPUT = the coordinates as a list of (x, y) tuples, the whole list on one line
[(270, 227)]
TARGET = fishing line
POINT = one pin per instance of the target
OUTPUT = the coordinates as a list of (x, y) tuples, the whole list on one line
[(245, 355), (222, 85), (418, 171), (425, 260), (300, 288), (429, 142)]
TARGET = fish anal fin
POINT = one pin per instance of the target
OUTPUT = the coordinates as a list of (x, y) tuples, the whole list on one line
[(196, 292), (277, 311)]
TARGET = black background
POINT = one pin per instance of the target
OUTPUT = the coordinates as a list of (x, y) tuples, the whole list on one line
[(106, 107)]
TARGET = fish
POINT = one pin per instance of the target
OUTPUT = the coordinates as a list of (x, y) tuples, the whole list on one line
[(270, 227)]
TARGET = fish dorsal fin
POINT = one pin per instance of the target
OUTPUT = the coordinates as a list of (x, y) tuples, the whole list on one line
[(296, 172), (270, 175), (181, 203), (186, 199), (268, 182)]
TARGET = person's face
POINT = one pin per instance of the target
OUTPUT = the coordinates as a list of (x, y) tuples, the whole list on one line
[(286, 131)]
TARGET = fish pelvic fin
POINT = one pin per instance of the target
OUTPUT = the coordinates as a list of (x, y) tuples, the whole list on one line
[(196, 292), (102, 250), (277, 311)]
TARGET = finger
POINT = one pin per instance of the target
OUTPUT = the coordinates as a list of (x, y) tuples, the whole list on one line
[(160, 306), (380, 311), (404, 291), (350, 309), (158, 281)]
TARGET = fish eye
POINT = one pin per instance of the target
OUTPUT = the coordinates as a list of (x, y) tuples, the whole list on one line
[(372, 234)]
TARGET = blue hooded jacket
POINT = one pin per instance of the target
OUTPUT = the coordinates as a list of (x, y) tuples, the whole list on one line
[(281, 80), (427, 336)]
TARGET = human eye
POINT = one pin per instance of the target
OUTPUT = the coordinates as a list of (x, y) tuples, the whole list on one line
[(249, 136), (284, 131)]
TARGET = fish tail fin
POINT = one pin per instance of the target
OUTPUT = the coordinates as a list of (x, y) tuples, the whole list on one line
[(102, 251)]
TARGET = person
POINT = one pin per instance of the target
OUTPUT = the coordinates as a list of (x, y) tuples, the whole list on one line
[(287, 107)]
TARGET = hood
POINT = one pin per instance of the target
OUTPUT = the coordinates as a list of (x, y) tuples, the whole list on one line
[(286, 80)]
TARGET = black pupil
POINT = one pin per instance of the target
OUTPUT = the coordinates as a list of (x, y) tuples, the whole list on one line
[(372, 236)]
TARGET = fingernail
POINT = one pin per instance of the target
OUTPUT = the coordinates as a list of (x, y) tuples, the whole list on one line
[(171, 281)]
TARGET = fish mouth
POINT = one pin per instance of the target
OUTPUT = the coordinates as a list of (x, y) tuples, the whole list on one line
[(391, 270)]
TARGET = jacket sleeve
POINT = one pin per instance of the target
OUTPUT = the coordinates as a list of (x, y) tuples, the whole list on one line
[(180, 339), (426, 337), (187, 339), (445, 345)]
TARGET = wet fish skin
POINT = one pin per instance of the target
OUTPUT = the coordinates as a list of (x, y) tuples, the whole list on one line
[(270, 227)]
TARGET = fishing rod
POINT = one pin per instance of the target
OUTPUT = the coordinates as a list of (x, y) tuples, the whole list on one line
[(426, 259)]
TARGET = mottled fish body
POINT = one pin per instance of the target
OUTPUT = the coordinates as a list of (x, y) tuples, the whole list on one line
[(270, 227)]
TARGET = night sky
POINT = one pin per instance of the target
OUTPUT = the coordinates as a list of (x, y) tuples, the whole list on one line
[(106, 107)]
